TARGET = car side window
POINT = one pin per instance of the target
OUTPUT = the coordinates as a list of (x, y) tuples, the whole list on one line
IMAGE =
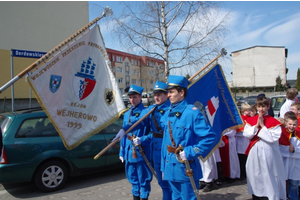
[(36, 127), (114, 127)]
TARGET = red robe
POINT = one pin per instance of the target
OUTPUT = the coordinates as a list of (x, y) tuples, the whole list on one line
[(244, 118), (224, 153), (269, 122), (285, 138)]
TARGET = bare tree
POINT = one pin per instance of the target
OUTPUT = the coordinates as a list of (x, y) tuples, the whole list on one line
[(182, 34)]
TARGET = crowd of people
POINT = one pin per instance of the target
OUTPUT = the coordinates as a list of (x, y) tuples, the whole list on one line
[(168, 142)]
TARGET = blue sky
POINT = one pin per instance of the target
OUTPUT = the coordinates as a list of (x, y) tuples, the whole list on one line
[(252, 23)]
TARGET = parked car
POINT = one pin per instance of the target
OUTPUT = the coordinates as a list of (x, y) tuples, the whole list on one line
[(126, 100), (33, 151), (239, 100), (250, 100), (147, 99), (276, 103)]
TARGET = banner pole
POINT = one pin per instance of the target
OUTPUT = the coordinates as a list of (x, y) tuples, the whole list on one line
[(223, 53), (106, 11), (114, 142)]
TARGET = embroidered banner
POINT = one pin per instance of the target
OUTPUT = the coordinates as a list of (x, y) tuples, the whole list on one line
[(78, 90), (212, 95)]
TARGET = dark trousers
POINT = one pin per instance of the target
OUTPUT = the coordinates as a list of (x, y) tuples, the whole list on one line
[(243, 159), (259, 198)]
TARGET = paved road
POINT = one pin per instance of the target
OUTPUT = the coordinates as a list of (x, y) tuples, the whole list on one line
[(110, 185)]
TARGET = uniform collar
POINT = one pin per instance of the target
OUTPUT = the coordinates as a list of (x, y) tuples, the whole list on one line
[(178, 110), (163, 107), (137, 109)]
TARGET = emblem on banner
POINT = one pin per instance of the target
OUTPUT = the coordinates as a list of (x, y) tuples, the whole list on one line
[(84, 81), (211, 109), (109, 96), (54, 83)]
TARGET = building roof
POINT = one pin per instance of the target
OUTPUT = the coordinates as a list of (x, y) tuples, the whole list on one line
[(258, 46)]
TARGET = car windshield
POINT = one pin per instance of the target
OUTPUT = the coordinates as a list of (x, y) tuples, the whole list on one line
[(2, 118), (4, 121), (277, 102)]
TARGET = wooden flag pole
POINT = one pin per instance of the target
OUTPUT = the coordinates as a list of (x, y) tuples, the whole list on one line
[(117, 140), (223, 53), (106, 11)]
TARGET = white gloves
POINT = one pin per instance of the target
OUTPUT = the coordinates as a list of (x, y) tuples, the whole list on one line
[(121, 158), (182, 155), (120, 135), (137, 141)]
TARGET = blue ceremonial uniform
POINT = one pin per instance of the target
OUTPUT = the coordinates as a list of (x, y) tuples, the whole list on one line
[(137, 171), (155, 140), (190, 130)]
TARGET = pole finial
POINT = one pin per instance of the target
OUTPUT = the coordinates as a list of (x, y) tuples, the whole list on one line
[(223, 52), (107, 11)]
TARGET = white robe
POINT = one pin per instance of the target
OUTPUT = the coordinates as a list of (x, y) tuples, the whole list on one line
[(209, 168), (264, 166), (291, 161), (241, 143), (233, 156)]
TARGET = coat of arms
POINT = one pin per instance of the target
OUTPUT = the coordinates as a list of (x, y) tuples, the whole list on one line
[(109, 96), (84, 81), (54, 83)]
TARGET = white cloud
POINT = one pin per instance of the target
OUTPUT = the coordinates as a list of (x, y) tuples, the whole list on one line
[(286, 33)]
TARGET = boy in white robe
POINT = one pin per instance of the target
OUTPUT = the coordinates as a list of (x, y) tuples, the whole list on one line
[(265, 172), (290, 150)]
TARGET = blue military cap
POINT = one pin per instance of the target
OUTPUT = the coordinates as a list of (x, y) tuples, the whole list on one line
[(134, 89), (159, 87), (177, 81)]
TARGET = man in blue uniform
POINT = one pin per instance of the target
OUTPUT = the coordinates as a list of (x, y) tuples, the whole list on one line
[(137, 171), (183, 125), (155, 139)]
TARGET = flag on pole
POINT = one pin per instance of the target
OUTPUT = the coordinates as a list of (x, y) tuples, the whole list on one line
[(212, 95), (78, 90)]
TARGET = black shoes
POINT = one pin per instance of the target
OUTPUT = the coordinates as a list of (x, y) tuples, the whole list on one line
[(208, 187), (136, 198), (202, 184)]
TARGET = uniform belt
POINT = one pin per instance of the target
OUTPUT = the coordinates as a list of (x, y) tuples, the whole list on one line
[(158, 135), (171, 149)]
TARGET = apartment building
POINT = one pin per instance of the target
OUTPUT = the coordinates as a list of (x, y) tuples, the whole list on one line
[(138, 70)]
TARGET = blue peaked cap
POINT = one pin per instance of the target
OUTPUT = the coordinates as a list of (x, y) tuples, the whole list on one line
[(134, 89), (159, 87), (177, 81)]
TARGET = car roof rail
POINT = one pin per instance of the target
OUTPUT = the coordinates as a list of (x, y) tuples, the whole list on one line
[(29, 109)]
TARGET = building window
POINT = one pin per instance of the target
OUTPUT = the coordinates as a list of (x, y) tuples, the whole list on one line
[(120, 69), (120, 80), (133, 62), (151, 81), (113, 58), (119, 59), (151, 64), (138, 63), (134, 71), (133, 81)]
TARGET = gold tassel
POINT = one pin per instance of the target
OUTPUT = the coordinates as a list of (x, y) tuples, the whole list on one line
[(133, 153)]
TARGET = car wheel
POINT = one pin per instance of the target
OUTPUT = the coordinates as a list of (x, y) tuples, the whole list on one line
[(51, 176)]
